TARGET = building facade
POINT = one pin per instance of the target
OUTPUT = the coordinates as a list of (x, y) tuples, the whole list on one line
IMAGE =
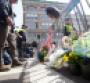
[(36, 20)]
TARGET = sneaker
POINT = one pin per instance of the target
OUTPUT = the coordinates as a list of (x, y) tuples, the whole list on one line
[(16, 62)]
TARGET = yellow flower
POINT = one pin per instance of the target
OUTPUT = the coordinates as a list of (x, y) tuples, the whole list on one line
[(66, 58)]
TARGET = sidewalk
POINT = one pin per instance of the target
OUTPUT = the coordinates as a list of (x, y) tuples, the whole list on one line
[(40, 73), (14, 75), (34, 72), (11, 76)]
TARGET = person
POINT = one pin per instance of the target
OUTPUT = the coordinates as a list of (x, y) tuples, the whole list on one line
[(54, 14), (7, 57), (29, 50), (6, 19), (34, 44), (24, 27), (21, 44), (40, 55), (12, 44), (56, 27), (68, 28), (70, 34)]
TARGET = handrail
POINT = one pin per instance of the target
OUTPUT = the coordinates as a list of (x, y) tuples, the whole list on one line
[(77, 19), (88, 3), (84, 16), (81, 16), (70, 7)]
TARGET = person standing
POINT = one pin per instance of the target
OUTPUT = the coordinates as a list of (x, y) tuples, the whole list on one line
[(68, 29), (21, 43), (12, 44), (6, 19), (54, 14)]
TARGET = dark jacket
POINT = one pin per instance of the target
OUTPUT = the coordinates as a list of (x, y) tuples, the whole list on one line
[(5, 10), (66, 33), (20, 40), (21, 33)]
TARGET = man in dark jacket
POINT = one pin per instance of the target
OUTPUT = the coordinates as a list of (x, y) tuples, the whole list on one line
[(21, 44), (6, 19)]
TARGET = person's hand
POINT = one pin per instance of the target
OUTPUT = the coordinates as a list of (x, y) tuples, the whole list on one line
[(9, 21), (19, 35)]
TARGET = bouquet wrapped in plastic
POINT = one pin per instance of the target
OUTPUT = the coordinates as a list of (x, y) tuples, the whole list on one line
[(82, 45)]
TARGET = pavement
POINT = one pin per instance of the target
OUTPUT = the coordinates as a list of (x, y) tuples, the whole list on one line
[(34, 72), (14, 75), (39, 73), (11, 76)]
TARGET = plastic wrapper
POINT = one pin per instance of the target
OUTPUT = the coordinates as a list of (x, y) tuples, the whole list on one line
[(82, 45)]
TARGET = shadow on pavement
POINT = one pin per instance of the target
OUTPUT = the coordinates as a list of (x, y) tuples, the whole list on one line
[(10, 78), (10, 81), (14, 79), (22, 77), (68, 77)]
